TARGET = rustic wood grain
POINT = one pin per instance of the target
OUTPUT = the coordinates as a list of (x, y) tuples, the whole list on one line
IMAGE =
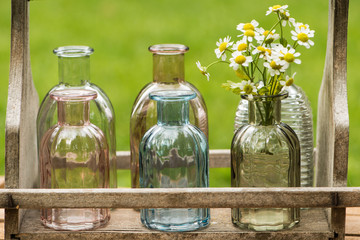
[(21, 165), (333, 117), (181, 197), (125, 224)]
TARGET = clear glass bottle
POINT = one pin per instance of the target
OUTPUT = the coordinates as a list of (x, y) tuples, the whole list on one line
[(74, 72), (168, 74), (174, 154), (265, 153), (74, 154), (296, 112)]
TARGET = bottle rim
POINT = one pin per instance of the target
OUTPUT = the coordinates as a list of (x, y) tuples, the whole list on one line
[(172, 95), (73, 51), (73, 95), (279, 96), (168, 49)]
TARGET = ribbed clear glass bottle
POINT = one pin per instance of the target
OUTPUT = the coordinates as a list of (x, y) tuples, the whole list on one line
[(174, 154), (74, 154), (168, 74), (74, 72), (295, 112), (265, 153)]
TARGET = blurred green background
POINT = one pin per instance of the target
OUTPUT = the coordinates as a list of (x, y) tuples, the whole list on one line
[(120, 32)]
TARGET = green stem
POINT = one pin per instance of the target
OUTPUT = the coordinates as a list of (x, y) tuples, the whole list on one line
[(220, 61)]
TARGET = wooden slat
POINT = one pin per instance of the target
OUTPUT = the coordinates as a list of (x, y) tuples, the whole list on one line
[(181, 198), (125, 224), (333, 117), (218, 158), (21, 165)]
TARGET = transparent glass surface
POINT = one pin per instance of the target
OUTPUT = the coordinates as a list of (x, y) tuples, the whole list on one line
[(295, 112), (74, 72), (265, 153), (74, 154), (174, 154), (168, 74)]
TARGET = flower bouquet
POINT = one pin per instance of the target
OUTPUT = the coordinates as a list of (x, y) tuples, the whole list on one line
[(261, 57)]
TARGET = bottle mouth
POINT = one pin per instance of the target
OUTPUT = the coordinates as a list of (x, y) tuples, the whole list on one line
[(73, 95), (168, 49), (172, 95), (279, 96), (73, 51)]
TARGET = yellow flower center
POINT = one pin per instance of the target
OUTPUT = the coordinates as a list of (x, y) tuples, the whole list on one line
[(276, 7), (242, 47), (303, 37), (269, 51), (266, 32), (273, 65), (248, 89), (261, 49), (249, 26), (302, 26), (249, 33), (223, 46), (289, 57), (240, 59), (289, 82)]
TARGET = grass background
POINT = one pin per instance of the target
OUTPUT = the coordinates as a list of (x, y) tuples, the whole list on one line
[(120, 31)]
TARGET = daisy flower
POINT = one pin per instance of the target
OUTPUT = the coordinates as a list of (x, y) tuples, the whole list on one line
[(276, 8), (241, 46), (247, 26), (302, 35), (249, 35), (223, 44), (203, 70), (263, 51), (288, 82), (275, 66), (248, 87), (266, 35), (288, 55), (239, 59), (285, 16)]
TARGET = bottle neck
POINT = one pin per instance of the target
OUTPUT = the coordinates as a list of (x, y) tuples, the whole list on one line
[(74, 71), (168, 68), (173, 113), (73, 113), (264, 113)]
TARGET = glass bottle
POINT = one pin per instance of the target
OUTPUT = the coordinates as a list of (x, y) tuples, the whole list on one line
[(74, 72), (296, 112), (265, 153), (174, 154), (74, 154), (168, 74)]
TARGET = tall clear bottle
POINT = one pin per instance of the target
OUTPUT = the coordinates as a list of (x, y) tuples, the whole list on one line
[(296, 112), (74, 72), (168, 74), (74, 154), (174, 154), (265, 153)]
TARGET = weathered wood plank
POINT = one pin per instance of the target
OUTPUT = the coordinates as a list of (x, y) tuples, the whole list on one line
[(218, 158), (181, 198), (21, 165), (125, 224), (333, 117)]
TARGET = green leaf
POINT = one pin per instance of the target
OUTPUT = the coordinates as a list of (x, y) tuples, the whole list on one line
[(263, 90), (241, 74)]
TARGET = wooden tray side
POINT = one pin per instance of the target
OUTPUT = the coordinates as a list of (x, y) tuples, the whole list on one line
[(21, 165), (333, 117)]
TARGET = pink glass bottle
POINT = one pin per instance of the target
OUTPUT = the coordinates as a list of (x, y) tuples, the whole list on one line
[(168, 74), (74, 154)]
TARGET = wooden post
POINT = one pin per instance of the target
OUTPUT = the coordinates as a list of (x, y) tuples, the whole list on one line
[(333, 117), (21, 164)]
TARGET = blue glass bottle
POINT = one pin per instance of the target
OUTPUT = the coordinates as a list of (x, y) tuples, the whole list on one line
[(174, 154)]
